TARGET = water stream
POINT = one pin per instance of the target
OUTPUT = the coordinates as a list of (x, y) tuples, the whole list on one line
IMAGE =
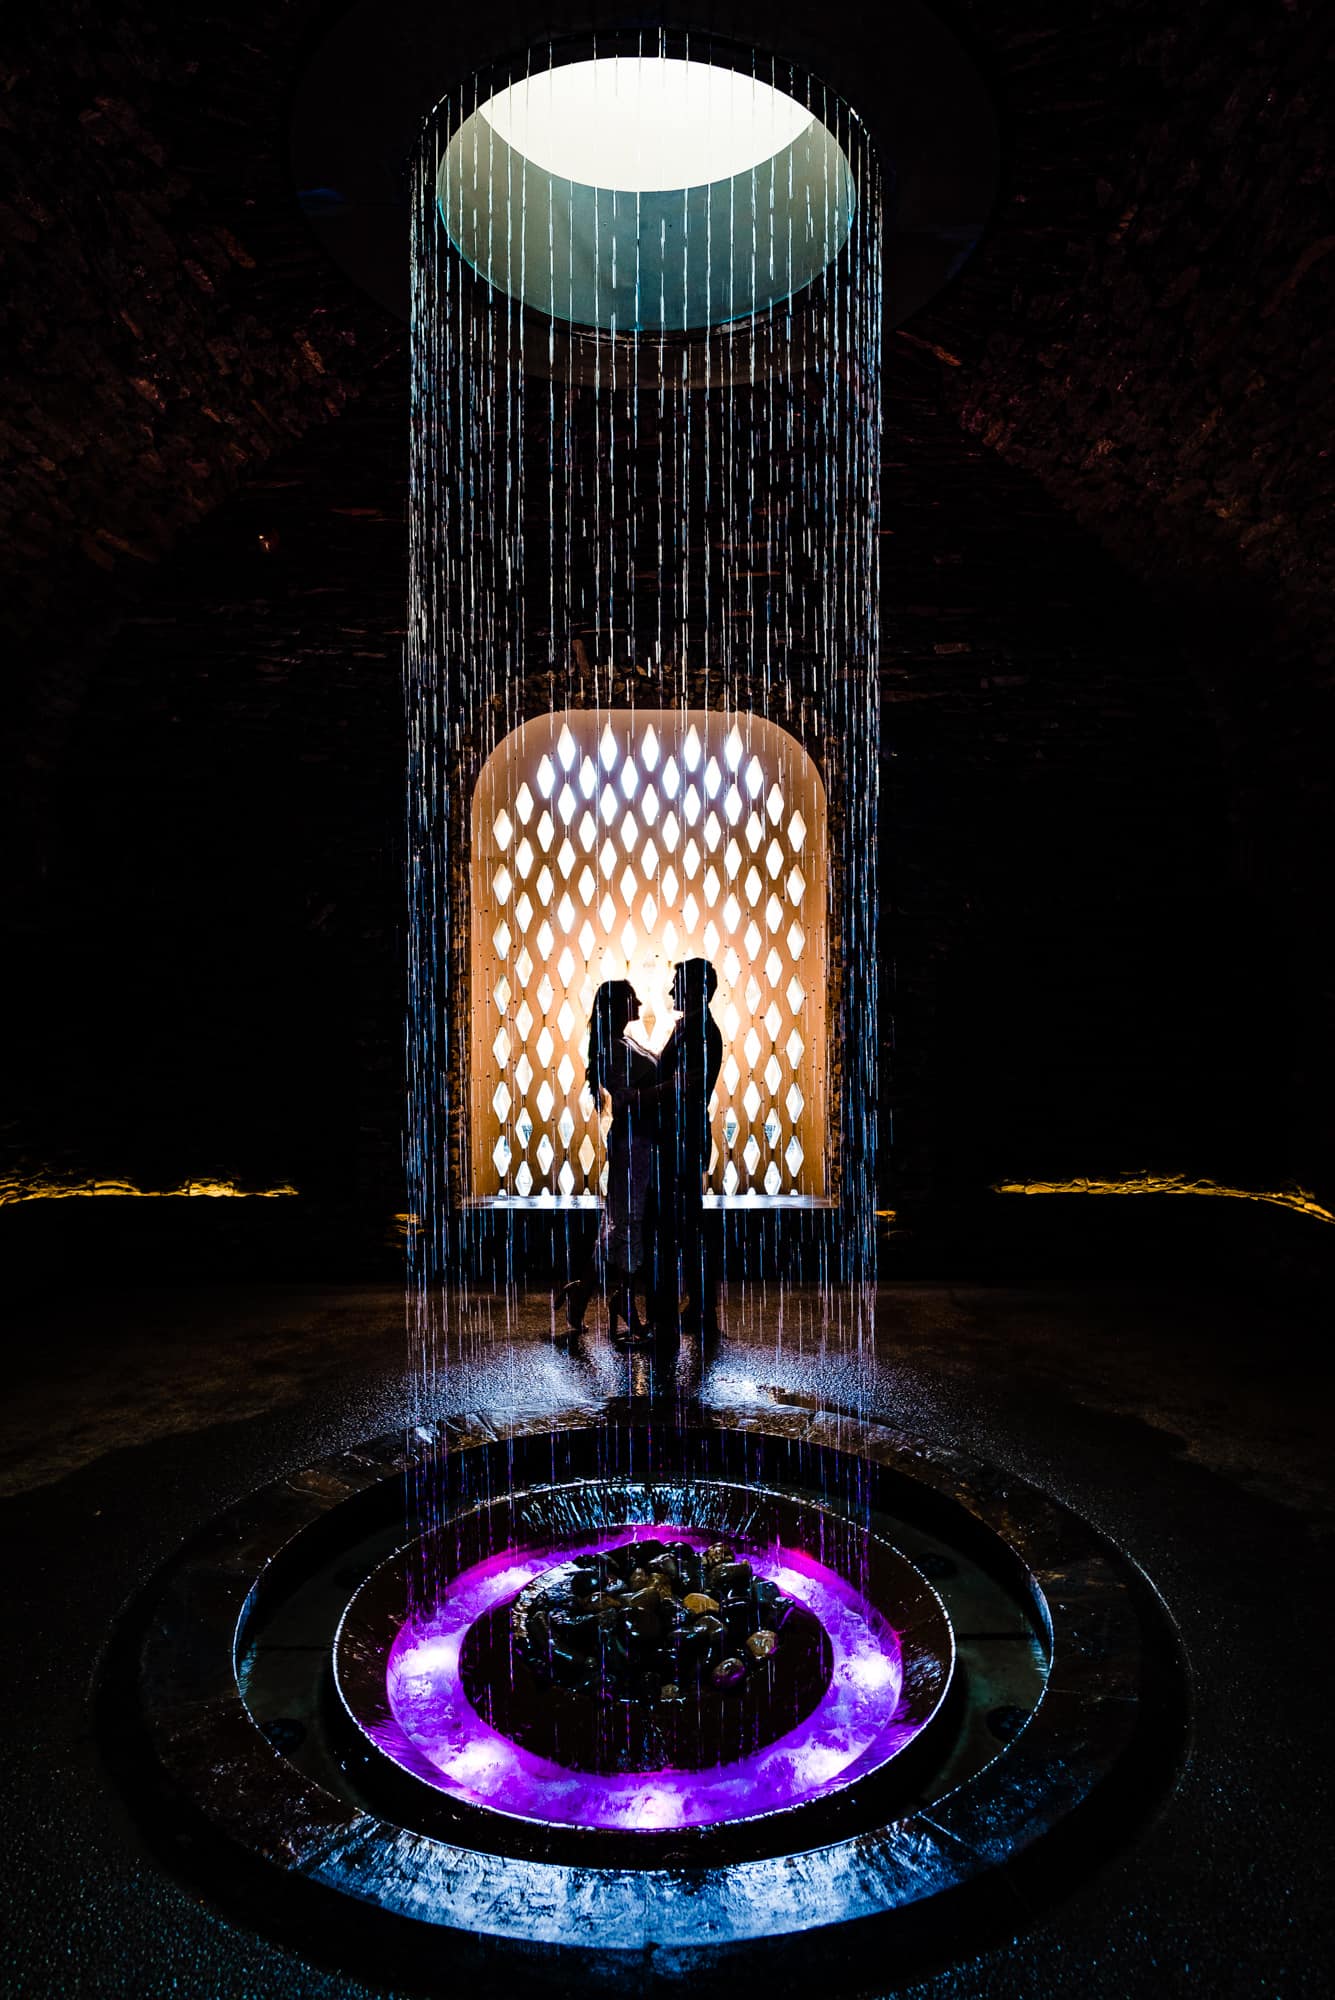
[(655, 544)]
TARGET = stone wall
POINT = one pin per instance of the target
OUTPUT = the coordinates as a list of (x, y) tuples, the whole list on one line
[(1150, 330), (169, 321), (1106, 672), (217, 985)]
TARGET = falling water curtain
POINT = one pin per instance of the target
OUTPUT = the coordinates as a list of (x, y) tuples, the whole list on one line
[(644, 480)]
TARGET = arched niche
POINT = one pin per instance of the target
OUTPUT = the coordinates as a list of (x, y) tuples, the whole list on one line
[(609, 843)]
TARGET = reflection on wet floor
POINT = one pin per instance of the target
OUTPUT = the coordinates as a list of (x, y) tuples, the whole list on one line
[(773, 1333)]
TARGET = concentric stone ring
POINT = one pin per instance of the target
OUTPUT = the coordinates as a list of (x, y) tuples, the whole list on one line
[(1038, 1674), (887, 1684)]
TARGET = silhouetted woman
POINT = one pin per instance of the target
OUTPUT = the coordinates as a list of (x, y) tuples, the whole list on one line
[(616, 1067)]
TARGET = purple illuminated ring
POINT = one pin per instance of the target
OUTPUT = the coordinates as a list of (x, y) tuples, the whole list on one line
[(860, 1722)]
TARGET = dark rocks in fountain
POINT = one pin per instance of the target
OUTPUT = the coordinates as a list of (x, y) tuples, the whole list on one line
[(600, 1666), (729, 1673), (649, 1622)]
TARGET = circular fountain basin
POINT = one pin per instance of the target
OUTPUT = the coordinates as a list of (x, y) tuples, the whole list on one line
[(998, 1702), (871, 1669)]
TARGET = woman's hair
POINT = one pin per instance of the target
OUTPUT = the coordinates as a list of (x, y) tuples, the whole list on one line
[(615, 999)]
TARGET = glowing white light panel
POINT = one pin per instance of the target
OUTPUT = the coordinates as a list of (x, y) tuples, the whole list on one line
[(645, 123)]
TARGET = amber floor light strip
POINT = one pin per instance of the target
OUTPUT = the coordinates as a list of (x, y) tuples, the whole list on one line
[(1300, 1200)]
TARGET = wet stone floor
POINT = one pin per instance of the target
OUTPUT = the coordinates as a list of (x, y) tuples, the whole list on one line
[(1188, 1425)]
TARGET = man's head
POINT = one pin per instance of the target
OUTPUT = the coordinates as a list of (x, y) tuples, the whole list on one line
[(694, 984)]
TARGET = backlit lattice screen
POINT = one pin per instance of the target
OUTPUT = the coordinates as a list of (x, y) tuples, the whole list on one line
[(609, 844)]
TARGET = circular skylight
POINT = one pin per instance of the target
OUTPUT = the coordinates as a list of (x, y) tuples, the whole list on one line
[(646, 194), (645, 124)]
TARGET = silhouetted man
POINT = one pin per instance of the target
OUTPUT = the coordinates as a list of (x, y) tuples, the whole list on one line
[(687, 1072)]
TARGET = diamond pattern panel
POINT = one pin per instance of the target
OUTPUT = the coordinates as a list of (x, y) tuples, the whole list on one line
[(608, 845)]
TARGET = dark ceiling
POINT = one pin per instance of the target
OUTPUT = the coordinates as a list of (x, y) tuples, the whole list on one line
[(1148, 328)]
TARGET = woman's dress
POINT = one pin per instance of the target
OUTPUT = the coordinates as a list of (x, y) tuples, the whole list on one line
[(631, 1154)]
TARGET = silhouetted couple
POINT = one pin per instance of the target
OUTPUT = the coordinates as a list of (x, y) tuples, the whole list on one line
[(653, 1238)]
